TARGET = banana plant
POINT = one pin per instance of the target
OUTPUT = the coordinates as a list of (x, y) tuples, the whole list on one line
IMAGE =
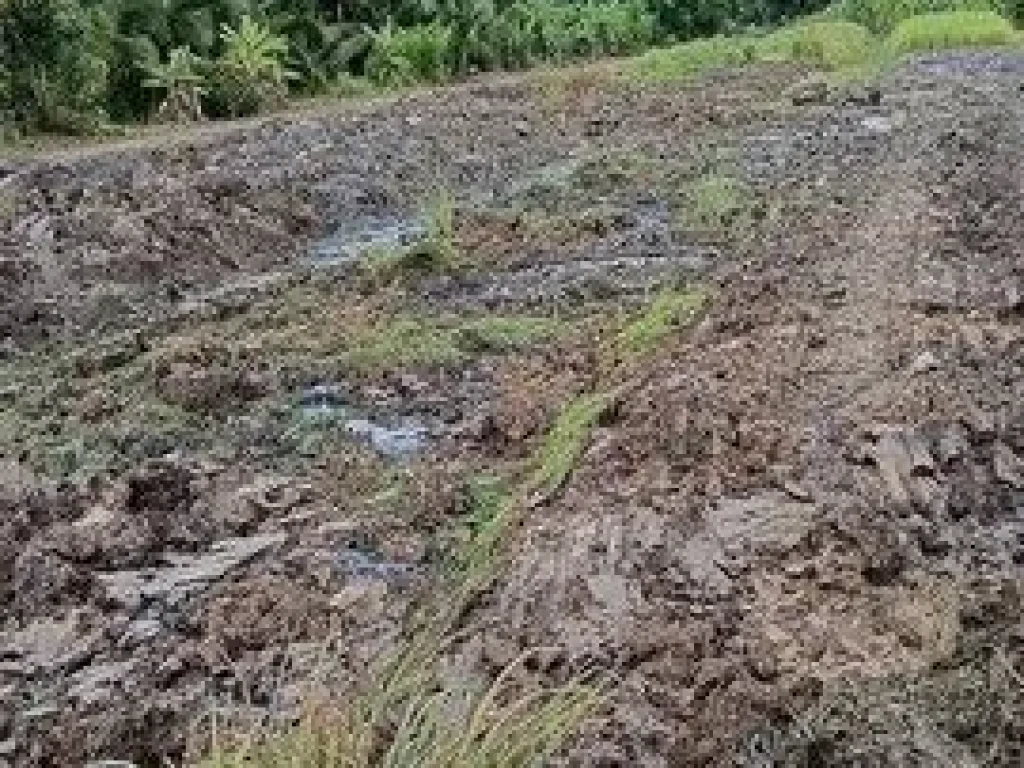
[(181, 83), (255, 52)]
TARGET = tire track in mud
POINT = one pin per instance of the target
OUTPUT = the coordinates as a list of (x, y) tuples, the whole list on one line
[(820, 488)]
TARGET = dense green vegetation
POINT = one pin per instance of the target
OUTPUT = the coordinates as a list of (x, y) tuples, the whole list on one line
[(76, 65)]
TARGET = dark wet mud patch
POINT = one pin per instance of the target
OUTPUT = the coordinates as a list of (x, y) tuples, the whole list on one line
[(633, 253)]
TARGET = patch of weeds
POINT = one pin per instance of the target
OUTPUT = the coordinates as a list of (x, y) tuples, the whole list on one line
[(412, 342), (434, 253), (408, 712), (488, 501), (670, 310), (819, 42), (960, 29), (609, 172), (962, 715), (692, 58), (718, 205), (409, 716), (348, 86), (831, 46), (567, 439), (555, 87)]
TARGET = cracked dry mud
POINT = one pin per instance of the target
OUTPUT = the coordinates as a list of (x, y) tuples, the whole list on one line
[(799, 540)]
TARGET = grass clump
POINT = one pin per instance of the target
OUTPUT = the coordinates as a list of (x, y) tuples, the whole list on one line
[(717, 204), (957, 29), (409, 713), (414, 342), (693, 58), (433, 253), (831, 46), (669, 310), (822, 43)]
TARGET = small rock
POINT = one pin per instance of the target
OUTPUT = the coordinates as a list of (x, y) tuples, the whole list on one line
[(952, 445), (921, 462), (877, 124), (929, 495), (894, 465), (797, 491), (835, 297), (924, 362), (1009, 468), (522, 128), (813, 90), (370, 592), (40, 713), (8, 747), (611, 591), (139, 632), (863, 97)]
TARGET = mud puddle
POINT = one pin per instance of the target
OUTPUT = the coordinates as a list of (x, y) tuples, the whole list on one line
[(347, 243), (391, 435)]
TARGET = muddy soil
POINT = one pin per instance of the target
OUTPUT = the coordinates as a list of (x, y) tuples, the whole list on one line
[(233, 456)]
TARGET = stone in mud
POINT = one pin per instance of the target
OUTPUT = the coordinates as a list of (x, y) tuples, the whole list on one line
[(895, 466), (185, 575), (810, 91), (952, 445), (1008, 467), (924, 363)]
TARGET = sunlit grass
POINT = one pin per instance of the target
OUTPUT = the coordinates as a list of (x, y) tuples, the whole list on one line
[(943, 31)]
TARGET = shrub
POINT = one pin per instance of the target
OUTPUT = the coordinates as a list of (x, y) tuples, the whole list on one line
[(54, 80), (181, 83), (402, 57), (940, 31), (250, 76)]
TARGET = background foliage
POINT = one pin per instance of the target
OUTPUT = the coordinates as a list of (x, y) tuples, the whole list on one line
[(75, 65)]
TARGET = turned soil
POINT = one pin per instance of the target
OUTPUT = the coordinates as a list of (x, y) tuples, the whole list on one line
[(233, 451)]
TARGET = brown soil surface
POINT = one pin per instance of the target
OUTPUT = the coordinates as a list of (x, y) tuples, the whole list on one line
[(232, 458)]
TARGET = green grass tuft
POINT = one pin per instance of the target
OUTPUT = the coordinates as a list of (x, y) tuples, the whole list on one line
[(567, 439), (670, 310), (958, 29), (693, 58), (434, 253), (415, 342), (717, 204)]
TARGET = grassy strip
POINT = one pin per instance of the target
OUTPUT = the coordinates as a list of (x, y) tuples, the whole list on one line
[(842, 47), (883, 16), (413, 342), (668, 312), (943, 31)]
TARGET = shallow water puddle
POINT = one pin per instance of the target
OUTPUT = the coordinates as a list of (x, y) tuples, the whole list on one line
[(350, 242), (393, 439)]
